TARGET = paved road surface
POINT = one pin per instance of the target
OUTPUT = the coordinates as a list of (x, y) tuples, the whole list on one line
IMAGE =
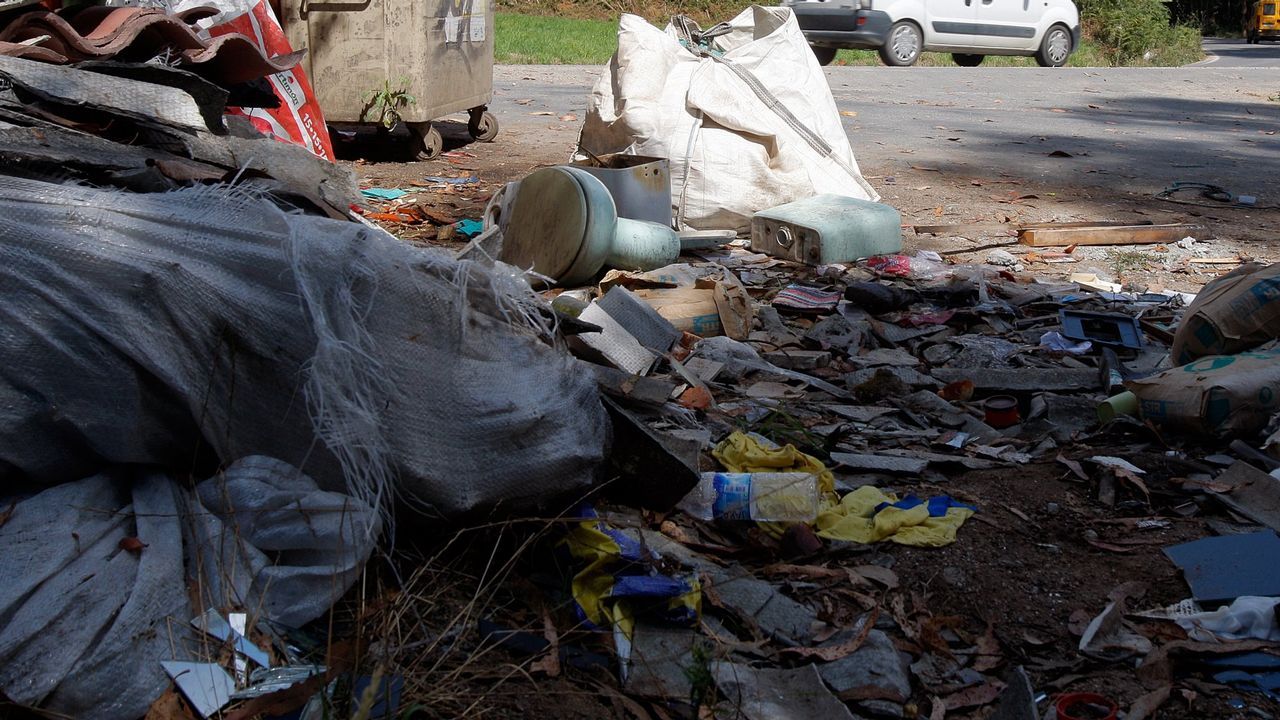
[(1125, 129), (1235, 52)]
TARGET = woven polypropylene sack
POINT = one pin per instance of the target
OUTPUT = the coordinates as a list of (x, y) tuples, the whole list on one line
[(732, 153), (145, 329)]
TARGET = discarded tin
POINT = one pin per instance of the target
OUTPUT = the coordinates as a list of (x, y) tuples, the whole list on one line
[(640, 186), (1086, 706), (1001, 411), (265, 681), (827, 229)]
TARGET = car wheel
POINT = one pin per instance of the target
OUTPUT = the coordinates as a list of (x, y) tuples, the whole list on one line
[(902, 47), (967, 60), (1055, 48), (825, 55)]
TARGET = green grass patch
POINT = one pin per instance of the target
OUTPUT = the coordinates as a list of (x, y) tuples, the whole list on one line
[(542, 40), (548, 40)]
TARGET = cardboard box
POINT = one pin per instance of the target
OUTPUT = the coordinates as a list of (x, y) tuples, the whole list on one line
[(690, 309)]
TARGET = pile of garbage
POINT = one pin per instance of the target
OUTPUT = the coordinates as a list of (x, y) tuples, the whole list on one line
[(218, 384), (763, 429)]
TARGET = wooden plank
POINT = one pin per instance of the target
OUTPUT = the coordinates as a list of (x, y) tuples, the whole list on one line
[(1104, 235), (1085, 224), (966, 229), (1216, 261), (1010, 228)]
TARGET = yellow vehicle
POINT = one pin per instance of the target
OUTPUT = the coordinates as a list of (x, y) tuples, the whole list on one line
[(1263, 22)]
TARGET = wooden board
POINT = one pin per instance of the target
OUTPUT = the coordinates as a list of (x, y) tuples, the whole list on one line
[(1058, 236), (1009, 228)]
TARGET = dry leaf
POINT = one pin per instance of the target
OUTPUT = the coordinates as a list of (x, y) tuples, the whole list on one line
[(1147, 705), (960, 390), (898, 609), (542, 112), (814, 572), (844, 649), (1110, 547), (1019, 513), (1034, 640), (568, 117), (849, 113), (975, 696), (168, 706), (878, 574), (549, 663), (132, 544), (938, 709), (674, 531), (8, 513), (1135, 480), (1074, 467), (988, 657)]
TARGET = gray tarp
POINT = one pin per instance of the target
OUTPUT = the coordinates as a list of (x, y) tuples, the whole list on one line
[(84, 623), (141, 329), (164, 333)]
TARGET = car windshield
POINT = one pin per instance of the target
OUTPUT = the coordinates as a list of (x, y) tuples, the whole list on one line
[(1269, 9)]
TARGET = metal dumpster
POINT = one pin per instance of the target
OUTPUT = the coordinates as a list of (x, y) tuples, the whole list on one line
[(440, 52)]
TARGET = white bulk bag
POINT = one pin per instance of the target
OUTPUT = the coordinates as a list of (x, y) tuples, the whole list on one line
[(747, 126)]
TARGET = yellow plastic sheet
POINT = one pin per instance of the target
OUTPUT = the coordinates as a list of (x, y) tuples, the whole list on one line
[(606, 551), (854, 518)]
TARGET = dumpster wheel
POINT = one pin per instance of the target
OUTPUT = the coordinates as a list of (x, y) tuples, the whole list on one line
[(483, 125), (430, 143)]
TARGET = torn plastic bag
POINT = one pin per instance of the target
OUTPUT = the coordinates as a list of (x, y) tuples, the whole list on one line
[(154, 329), (85, 621), (748, 124)]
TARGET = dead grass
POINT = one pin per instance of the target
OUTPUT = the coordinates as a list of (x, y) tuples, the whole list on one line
[(427, 628)]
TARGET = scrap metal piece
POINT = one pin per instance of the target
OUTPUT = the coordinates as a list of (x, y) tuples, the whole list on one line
[(205, 685)]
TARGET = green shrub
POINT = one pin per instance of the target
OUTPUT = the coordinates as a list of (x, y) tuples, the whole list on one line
[(1138, 32)]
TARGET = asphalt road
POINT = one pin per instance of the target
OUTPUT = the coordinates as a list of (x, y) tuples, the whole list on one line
[(1122, 130), (1235, 52)]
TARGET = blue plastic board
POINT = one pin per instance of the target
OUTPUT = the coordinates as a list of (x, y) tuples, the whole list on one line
[(1221, 569)]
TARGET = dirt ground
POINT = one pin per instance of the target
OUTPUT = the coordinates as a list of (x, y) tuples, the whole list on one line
[(1044, 554), (923, 195)]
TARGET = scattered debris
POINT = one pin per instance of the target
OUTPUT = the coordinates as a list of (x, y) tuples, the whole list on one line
[(633, 459)]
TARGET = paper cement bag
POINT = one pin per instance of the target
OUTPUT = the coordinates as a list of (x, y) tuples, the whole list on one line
[(1236, 312), (298, 120), (1217, 395)]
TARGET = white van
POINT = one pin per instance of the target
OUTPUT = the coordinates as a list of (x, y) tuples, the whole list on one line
[(969, 29)]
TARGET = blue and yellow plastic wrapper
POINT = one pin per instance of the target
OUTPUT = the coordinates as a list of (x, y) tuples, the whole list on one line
[(620, 581), (865, 515)]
